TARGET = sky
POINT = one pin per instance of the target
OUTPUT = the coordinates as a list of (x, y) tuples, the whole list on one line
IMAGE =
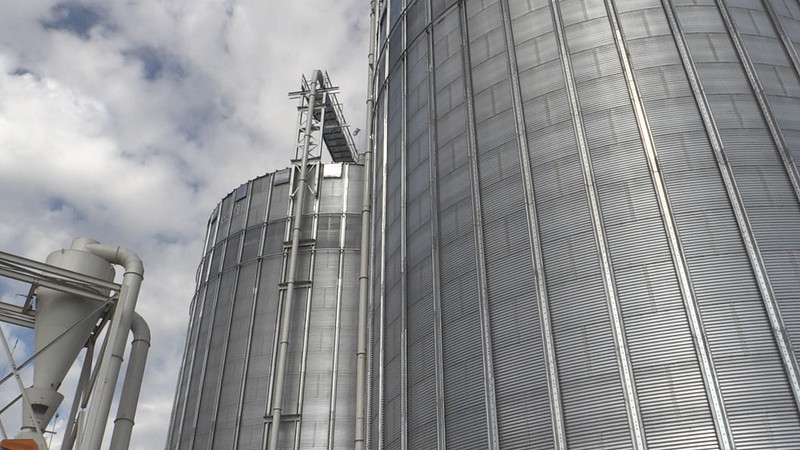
[(126, 121)]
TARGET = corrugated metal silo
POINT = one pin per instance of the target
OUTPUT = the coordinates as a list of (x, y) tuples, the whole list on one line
[(591, 225), (225, 391)]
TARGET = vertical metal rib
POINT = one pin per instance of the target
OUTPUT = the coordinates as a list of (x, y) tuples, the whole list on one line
[(480, 258), (758, 91), (211, 243), (223, 354), (301, 382), (211, 319), (788, 45), (382, 287), (338, 318), (208, 244), (251, 324), (245, 219), (209, 255), (207, 347), (234, 287), (556, 412), (177, 405), (441, 428), (679, 260), (615, 316), (269, 425), (773, 310), (404, 412), (179, 410)]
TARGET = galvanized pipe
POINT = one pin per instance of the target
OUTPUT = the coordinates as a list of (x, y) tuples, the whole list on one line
[(363, 278), (286, 316), (338, 320), (301, 382), (108, 373), (84, 382), (126, 411)]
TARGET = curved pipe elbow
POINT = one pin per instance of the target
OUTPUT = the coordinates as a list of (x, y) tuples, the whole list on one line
[(115, 255), (140, 329)]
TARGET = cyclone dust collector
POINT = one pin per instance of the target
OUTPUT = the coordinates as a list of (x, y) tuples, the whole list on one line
[(73, 290)]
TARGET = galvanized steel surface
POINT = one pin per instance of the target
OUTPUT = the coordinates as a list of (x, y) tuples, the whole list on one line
[(224, 399), (587, 224)]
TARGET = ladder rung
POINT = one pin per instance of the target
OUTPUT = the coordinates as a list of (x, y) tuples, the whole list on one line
[(297, 284), (303, 243)]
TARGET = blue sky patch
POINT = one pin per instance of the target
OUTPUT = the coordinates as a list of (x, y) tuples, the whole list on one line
[(156, 63), (73, 17)]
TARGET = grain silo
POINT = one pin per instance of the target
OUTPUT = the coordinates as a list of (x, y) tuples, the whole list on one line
[(587, 223), (272, 337)]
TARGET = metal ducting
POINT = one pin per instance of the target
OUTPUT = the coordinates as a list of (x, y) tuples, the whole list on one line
[(74, 288), (63, 325)]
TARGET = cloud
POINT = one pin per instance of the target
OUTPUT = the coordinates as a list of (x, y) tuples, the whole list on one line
[(128, 121)]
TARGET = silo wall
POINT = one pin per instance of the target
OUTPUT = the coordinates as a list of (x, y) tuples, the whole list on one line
[(588, 226), (224, 395)]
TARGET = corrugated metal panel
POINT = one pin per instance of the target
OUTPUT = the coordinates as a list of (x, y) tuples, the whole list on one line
[(235, 359), (588, 370), (672, 397), (195, 368), (212, 367), (393, 377), (784, 272), (224, 218), (256, 381), (275, 237), (231, 257), (523, 403), (415, 18), (252, 243), (544, 78), (258, 200), (561, 218), (332, 203), (749, 367), (646, 254), (421, 393), (278, 208), (461, 332), (554, 141)]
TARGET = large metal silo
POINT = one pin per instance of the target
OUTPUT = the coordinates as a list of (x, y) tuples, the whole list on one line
[(587, 224), (226, 390)]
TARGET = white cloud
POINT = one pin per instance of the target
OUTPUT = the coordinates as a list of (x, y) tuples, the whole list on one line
[(128, 121)]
